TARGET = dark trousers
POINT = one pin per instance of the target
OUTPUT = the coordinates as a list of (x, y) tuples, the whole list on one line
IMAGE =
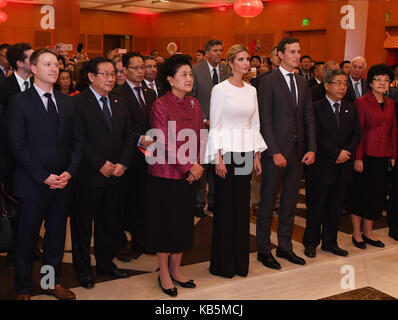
[(392, 213), (208, 176), (100, 205), (325, 203), (51, 206), (272, 179), (135, 211), (230, 243)]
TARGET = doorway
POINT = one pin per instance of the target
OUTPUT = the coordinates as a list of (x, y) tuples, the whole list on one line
[(112, 41)]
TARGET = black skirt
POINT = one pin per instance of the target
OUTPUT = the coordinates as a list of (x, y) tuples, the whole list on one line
[(367, 192), (170, 215)]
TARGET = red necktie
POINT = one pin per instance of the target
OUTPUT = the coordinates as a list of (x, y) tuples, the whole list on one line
[(142, 103)]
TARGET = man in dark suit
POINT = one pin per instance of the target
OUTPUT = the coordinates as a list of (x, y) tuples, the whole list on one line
[(318, 91), (338, 132), (150, 76), (4, 65), (357, 86), (46, 140), (318, 74), (106, 155), (206, 75), (18, 56), (287, 125), (139, 101), (305, 67)]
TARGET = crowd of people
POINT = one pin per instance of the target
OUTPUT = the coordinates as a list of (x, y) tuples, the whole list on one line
[(144, 137)]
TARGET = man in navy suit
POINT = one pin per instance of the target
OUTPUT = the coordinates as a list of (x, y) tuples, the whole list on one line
[(338, 132), (45, 139)]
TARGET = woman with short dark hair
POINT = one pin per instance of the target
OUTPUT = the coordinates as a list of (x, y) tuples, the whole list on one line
[(378, 146), (172, 179)]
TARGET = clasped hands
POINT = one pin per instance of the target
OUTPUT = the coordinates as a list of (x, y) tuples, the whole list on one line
[(280, 160), (109, 169), (194, 173), (58, 181)]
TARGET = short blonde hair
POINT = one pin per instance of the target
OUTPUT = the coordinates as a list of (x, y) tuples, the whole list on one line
[(234, 50)]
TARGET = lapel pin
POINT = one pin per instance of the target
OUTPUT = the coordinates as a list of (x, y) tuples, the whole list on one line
[(346, 111), (115, 100)]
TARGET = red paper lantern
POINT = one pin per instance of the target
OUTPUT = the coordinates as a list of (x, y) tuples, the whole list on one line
[(248, 8), (3, 16), (3, 3)]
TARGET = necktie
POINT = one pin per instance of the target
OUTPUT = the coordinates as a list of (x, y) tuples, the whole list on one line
[(26, 84), (337, 113), (152, 85), (142, 103), (52, 111), (356, 89), (107, 113), (293, 88), (215, 77)]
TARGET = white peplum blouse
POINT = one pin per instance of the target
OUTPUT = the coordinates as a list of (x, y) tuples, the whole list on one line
[(234, 121)]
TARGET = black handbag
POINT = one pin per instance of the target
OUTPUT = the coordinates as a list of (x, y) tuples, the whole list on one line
[(8, 221)]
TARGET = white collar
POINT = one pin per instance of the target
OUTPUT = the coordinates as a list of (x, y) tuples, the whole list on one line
[(332, 102), (284, 71), (211, 67), (41, 92), (20, 80), (97, 95)]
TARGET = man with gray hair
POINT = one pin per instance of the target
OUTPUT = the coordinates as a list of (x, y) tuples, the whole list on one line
[(338, 136), (357, 85), (207, 74), (318, 91)]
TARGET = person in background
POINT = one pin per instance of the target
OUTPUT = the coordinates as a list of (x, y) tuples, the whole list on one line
[(318, 74), (61, 62), (151, 75), (169, 227), (120, 75), (305, 67), (394, 83), (4, 65), (64, 83), (200, 55), (234, 105), (378, 146), (346, 67)]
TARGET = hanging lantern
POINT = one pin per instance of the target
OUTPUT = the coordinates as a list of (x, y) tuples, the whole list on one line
[(248, 8), (3, 16), (3, 3)]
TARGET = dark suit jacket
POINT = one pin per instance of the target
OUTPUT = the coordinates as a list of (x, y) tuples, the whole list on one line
[(38, 150), (3, 168), (203, 84), (159, 86), (331, 139), (393, 94), (318, 92), (8, 88), (100, 144), (350, 95), (2, 75), (282, 123), (312, 82), (138, 123)]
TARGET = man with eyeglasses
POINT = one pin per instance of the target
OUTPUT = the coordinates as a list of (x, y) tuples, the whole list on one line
[(357, 86), (120, 75), (106, 156), (338, 136), (139, 101)]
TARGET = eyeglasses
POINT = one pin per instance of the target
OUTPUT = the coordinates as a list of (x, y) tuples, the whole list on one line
[(107, 75), (137, 68), (340, 84), (381, 80), (119, 72), (64, 78)]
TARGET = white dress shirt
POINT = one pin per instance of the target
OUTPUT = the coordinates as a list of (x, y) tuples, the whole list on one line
[(212, 72), (285, 74), (98, 97), (332, 103), (41, 93), (132, 86), (235, 122), (21, 82), (359, 85), (155, 88)]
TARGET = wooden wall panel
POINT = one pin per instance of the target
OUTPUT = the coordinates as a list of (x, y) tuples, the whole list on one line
[(42, 39)]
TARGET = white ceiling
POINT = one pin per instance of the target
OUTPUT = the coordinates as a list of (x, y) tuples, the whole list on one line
[(141, 6)]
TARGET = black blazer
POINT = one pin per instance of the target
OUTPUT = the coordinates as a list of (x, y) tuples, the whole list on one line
[(138, 123), (100, 144), (8, 88), (3, 168), (282, 123), (38, 150), (331, 139), (350, 95), (312, 82), (159, 86)]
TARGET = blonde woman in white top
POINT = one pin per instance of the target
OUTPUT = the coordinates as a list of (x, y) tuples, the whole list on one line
[(234, 145)]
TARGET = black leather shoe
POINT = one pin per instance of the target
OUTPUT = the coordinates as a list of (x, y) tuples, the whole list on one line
[(171, 292), (87, 282), (187, 284), (289, 256), (335, 250), (393, 235), (358, 244), (199, 213), (376, 243), (116, 273), (310, 252), (268, 260)]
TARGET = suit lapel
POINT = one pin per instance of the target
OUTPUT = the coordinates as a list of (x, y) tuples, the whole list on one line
[(285, 89), (97, 108), (115, 110), (330, 114), (136, 103), (61, 112), (41, 109)]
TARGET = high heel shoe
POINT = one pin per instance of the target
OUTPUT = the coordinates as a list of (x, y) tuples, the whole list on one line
[(358, 244), (187, 284), (171, 292)]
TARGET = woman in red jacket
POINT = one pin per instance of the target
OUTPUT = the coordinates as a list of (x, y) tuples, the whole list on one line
[(378, 146)]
